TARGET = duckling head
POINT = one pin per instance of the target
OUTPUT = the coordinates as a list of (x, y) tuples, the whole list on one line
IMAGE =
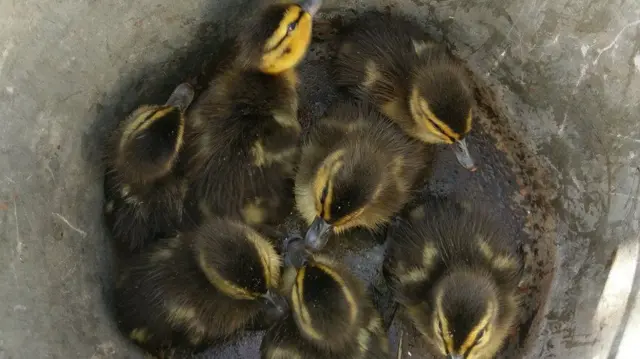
[(324, 303), (280, 38), (342, 189), (151, 137), (441, 106), (240, 263), (463, 318)]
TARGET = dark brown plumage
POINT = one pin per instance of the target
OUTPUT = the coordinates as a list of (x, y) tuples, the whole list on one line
[(456, 275), (188, 292), (357, 170), (243, 132), (331, 317), (415, 81), (144, 191)]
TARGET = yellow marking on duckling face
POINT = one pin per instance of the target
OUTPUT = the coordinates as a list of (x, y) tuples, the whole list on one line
[(139, 335), (371, 74), (270, 260), (223, 285), (288, 44), (469, 122), (300, 309), (323, 183), (125, 190), (348, 218), (437, 131), (349, 296), (474, 340), (441, 328), (145, 117)]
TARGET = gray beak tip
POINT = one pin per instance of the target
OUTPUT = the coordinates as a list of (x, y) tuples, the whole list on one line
[(182, 96), (318, 235), (311, 6), (295, 252), (463, 156)]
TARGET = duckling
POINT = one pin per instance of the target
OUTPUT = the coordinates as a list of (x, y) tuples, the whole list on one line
[(330, 316), (144, 192), (456, 276), (357, 170), (243, 132), (411, 78), (188, 292)]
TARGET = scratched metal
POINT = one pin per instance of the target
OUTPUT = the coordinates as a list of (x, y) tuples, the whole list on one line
[(559, 119)]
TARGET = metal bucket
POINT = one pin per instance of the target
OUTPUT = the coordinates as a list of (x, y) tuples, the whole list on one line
[(557, 84)]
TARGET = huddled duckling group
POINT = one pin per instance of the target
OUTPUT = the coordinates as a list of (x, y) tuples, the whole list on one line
[(197, 189)]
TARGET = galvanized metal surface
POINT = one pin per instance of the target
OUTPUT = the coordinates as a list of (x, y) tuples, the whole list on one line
[(561, 108)]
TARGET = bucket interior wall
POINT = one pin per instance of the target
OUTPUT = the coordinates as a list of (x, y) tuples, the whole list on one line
[(560, 80)]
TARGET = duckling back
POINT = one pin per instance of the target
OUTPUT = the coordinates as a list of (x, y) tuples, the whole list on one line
[(415, 81), (331, 317), (358, 169), (243, 132), (144, 191), (456, 274), (243, 146), (457, 236), (196, 289)]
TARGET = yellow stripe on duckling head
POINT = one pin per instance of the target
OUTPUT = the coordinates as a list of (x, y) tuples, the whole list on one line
[(225, 286), (473, 340), (439, 131), (289, 42), (142, 118), (441, 325), (300, 309), (323, 181), (270, 260)]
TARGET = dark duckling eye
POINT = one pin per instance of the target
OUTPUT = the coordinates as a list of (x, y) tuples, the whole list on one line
[(292, 26), (480, 334)]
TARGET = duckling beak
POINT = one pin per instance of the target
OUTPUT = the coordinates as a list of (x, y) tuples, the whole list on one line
[(462, 154), (181, 97), (455, 356), (295, 252), (318, 234), (311, 6), (275, 304)]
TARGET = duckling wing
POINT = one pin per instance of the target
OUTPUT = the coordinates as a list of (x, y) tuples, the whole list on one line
[(376, 56), (242, 150)]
